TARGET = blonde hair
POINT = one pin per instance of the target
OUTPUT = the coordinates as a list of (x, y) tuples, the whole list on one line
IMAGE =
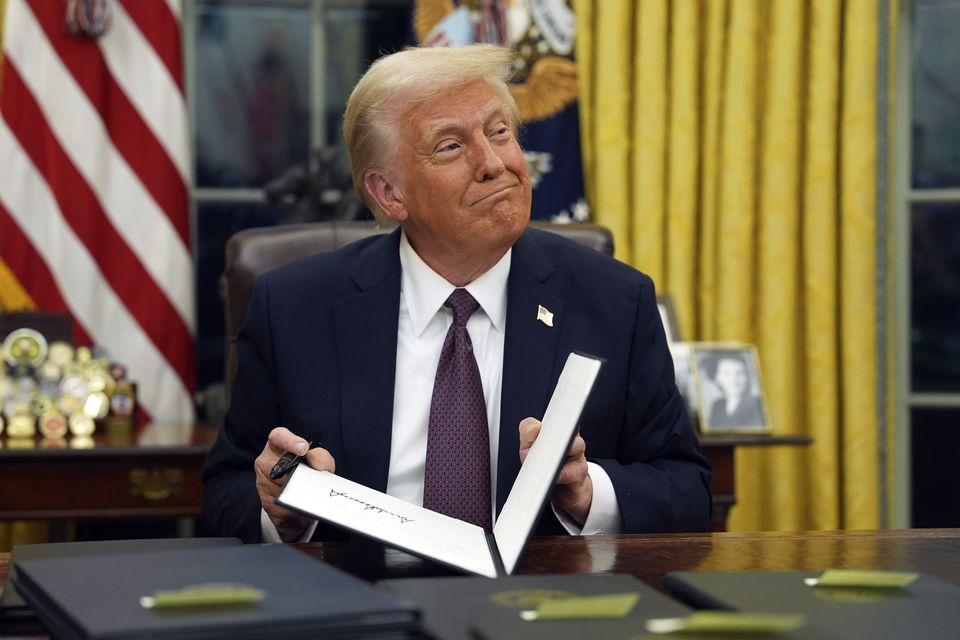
[(401, 80)]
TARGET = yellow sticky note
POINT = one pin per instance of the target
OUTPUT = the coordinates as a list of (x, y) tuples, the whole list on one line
[(728, 622), (857, 578), (203, 595), (616, 605)]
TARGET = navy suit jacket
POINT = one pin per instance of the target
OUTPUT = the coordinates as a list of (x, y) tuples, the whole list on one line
[(317, 354)]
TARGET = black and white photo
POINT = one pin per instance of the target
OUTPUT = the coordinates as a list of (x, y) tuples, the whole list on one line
[(730, 392)]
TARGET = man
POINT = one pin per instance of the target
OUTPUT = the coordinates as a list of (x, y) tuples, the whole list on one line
[(342, 349)]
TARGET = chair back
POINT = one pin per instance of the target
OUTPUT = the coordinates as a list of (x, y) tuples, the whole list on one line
[(252, 252)]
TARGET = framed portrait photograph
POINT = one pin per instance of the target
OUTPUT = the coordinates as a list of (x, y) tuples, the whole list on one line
[(669, 317), (729, 388)]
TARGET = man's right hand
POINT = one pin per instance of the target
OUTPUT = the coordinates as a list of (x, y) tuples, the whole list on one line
[(290, 524)]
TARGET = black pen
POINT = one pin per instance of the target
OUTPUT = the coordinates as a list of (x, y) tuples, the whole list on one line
[(286, 463)]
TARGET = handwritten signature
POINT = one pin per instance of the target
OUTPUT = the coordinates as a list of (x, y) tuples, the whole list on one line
[(369, 507)]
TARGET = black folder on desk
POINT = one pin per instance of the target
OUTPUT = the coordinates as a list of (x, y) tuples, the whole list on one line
[(98, 598), (926, 608), (17, 617), (468, 608)]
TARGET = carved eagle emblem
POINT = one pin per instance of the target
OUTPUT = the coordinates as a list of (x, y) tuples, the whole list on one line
[(541, 31)]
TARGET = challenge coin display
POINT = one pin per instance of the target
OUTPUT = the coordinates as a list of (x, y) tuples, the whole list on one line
[(60, 390)]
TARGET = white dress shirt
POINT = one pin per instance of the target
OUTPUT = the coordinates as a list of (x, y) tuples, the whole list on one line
[(422, 328)]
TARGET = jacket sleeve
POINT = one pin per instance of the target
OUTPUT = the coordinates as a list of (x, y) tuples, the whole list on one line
[(659, 473), (231, 505)]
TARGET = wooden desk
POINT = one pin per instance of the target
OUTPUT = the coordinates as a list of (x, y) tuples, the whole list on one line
[(650, 557), (158, 474)]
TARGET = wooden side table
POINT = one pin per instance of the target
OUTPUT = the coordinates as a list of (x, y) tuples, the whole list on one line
[(157, 474), (720, 450)]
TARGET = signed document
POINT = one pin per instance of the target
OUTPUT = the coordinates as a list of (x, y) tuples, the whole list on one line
[(453, 542)]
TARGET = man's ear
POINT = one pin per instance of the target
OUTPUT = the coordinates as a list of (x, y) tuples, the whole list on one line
[(386, 194)]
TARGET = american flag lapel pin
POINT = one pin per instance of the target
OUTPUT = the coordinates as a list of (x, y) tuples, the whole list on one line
[(544, 315)]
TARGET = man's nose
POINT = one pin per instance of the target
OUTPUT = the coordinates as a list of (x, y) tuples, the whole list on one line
[(489, 164)]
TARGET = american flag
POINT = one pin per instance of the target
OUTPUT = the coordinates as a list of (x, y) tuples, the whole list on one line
[(94, 175)]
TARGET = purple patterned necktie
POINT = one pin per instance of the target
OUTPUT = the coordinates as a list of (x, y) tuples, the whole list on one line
[(457, 472)]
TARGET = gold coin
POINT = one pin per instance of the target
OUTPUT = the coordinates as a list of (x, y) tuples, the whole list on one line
[(53, 424), (16, 404), (71, 370), (100, 380), (123, 400), (24, 385), (82, 425), (49, 371), (74, 386), (25, 347), (60, 353), (40, 404), (69, 404), (83, 355), (96, 405), (21, 425)]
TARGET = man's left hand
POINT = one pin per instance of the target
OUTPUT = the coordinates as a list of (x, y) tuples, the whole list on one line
[(573, 491)]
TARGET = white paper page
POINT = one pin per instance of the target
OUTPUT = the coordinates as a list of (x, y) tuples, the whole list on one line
[(394, 521), (538, 471)]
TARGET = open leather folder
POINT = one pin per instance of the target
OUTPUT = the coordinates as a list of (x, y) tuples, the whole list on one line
[(453, 542)]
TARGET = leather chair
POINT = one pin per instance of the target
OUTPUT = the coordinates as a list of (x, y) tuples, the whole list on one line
[(252, 252)]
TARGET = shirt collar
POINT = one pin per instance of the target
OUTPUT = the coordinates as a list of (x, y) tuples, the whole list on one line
[(425, 291)]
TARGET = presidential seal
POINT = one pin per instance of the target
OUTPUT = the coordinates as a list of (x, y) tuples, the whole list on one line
[(542, 32)]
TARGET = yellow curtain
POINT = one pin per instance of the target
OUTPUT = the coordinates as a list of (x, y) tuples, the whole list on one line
[(731, 147)]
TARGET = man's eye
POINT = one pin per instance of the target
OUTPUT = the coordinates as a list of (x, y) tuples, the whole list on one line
[(501, 132), (453, 146)]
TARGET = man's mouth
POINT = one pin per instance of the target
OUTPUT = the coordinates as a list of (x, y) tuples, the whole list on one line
[(493, 194)]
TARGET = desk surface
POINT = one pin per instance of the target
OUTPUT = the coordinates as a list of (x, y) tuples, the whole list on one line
[(651, 557)]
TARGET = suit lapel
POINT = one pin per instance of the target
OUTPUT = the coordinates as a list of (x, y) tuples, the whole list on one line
[(366, 327), (529, 354)]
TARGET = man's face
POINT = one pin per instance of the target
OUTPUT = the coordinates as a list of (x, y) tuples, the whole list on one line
[(731, 377), (462, 186)]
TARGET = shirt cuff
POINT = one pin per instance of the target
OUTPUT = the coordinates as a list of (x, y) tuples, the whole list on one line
[(604, 516), (270, 534)]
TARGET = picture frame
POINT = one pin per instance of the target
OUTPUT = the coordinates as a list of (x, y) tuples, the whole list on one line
[(683, 369), (668, 316), (729, 389)]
